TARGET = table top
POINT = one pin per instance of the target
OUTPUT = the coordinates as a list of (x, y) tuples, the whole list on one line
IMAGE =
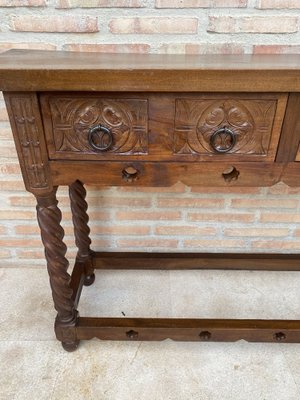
[(36, 70)]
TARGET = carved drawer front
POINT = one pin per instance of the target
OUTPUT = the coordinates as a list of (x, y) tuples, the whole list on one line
[(229, 126), (93, 126)]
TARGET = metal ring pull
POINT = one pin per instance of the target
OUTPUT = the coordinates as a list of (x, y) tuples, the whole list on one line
[(104, 138), (223, 140)]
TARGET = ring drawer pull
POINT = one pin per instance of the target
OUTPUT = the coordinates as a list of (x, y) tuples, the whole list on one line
[(223, 140), (104, 136)]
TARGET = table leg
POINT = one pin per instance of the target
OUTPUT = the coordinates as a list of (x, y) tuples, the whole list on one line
[(49, 219), (80, 218)]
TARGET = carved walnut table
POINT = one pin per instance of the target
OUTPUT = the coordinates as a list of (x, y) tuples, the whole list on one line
[(150, 120)]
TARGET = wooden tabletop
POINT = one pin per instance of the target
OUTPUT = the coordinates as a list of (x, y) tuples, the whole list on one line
[(58, 70)]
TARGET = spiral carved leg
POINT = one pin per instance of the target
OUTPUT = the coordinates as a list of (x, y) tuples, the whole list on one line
[(49, 218), (80, 218)]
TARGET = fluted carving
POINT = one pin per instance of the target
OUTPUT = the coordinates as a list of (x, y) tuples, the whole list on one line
[(49, 218), (80, 218)]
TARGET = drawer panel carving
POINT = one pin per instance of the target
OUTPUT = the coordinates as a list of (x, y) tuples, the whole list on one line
[(73, 117), (227, 126)]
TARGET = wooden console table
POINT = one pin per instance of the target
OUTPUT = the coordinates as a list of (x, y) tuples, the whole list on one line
[(150, 120)]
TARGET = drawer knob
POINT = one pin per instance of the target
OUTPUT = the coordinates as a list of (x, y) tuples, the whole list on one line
[(223, 140), (100, 138)]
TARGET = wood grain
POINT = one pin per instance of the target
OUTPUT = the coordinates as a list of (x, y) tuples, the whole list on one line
[(33, 70)]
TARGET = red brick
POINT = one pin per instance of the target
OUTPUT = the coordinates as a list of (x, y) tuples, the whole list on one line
[(247, 232), (5, 254), (23, 200), (3, 113), (5, 133), (23, 45), (67, 23), (120, 201), (10, 169), (148, 216), (177, 188), (276, 49), (108, 48), (31, 254), (276, 245), (16, 214), (278, 4), (154, 25), (159, 243), (35, 230), (99, 3), (200, 3), (12, 185), (190, 202), (23, 3), (263, 203), (206, 48), (280, 218), (121, 230), (22, 242), (221, 217), (184, 230), (3, 230), (209, 244), (254, 24), (226, 190), (8, 151)]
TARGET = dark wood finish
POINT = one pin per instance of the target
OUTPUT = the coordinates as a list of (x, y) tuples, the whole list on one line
[(49, 218), (250, 119), (150, 120), (33, 70), (167, 174), (228, 330), (76, 283), (290, 136), (79, 206), (178, 126), (270, 262), (69, 119), (27, 128)]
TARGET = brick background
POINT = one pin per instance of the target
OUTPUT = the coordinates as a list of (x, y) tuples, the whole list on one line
[(170, 219)]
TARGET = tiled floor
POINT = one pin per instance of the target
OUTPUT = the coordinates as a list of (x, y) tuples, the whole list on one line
[(33, 365)]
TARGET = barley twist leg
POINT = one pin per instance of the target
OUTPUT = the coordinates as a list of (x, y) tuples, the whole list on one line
[(80, 218), (49, 219)]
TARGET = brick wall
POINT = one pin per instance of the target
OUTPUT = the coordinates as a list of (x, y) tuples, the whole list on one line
[(250, 219)]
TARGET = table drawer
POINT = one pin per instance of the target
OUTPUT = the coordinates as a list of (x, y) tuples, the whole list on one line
[(229, 126), (86, 124), (163, 127)]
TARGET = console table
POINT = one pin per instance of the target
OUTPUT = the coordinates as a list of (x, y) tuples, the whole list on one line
[(150, 120)]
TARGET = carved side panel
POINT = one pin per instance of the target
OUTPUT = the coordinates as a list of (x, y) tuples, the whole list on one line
[(23, 110), (72, 117), (197, 120)]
